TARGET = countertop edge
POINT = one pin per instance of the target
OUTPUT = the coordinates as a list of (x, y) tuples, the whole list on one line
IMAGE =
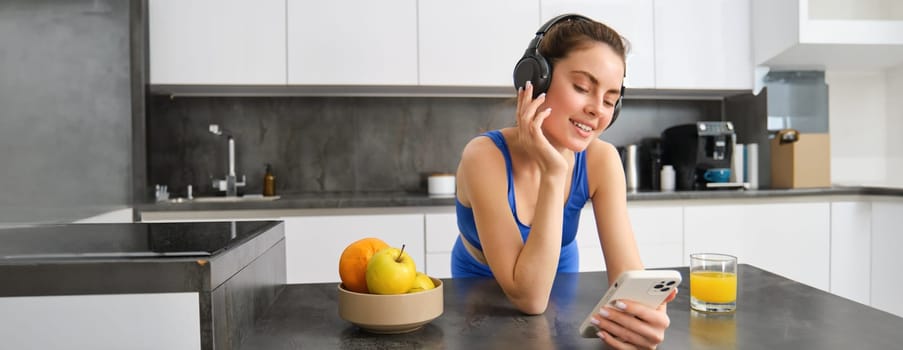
[(46, 277), (402, 200)]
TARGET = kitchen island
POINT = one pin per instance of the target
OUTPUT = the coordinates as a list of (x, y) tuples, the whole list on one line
[(825, 234), (137, 286), (772, 313)]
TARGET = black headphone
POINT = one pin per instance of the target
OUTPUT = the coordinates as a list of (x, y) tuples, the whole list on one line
[(536, 69)]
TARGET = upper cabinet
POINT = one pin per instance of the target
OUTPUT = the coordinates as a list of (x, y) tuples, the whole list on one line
[(227, 42), (828, 34), (703, 44), (352, 42), (633, 19), (474, 42), (435, 47)]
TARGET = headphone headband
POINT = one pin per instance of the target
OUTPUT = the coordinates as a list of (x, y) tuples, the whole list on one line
[(541, 32), (545, 27)]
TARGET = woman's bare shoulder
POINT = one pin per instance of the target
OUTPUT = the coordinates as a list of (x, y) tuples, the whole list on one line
[(603, 165), (482, 168), (600, 151), (483, 149), (478, 147)]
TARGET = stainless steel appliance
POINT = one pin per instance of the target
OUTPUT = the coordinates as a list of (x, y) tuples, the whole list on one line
[(694, 148), (642, 164)]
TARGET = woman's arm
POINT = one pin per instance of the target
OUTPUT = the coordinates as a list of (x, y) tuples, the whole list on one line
[(609, 196), (630, 325), (524, 270)]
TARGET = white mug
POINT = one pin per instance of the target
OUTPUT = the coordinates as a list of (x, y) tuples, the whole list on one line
[(441, 185)]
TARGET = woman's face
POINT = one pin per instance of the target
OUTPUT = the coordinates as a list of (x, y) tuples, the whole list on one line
[(585, 87)]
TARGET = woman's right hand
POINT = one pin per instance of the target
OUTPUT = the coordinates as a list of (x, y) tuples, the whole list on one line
[(529, 131)]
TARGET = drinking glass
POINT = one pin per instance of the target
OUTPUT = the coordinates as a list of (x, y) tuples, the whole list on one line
[(713, 282)]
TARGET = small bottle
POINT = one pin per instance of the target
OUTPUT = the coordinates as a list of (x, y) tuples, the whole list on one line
[(667, 178), (269, 182)]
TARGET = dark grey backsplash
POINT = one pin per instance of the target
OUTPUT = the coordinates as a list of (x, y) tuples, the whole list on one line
[(348, 144)]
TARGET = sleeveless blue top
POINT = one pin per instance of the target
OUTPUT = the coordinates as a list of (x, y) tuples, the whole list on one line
[(465, 265)]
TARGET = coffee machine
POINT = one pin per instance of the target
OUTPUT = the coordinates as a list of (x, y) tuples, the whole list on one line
[(694, 148)]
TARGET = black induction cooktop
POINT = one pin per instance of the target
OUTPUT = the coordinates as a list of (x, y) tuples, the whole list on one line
[(130, 240)]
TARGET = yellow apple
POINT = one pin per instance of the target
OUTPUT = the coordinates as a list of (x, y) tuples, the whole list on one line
[(390, 271), (422, 283)]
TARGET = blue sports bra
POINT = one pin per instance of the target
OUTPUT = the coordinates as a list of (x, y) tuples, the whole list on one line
[(464, 264)]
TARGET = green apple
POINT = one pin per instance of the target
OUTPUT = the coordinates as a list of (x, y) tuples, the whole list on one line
[(390, 271), (422, 283)]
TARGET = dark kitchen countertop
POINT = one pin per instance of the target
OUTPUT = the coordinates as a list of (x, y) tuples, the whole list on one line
[(772, 313), (73, 259), (768, 193), (410, 199)]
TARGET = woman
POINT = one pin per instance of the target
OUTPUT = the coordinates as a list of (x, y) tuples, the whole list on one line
[(520, 189)]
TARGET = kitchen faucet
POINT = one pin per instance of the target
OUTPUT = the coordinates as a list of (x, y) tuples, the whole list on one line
[(230, 184)]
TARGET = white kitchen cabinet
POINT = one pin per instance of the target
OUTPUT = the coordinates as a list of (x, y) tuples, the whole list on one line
[(658, 232), (716, 229), (886, 266), (827, 34), (352, 42), (789, 239), (438, 264), (228, 42), (633, 19), (474, 42), (703, 44), (313, 244), (851, 228), (441, 231), (591, 258), (101, 321)]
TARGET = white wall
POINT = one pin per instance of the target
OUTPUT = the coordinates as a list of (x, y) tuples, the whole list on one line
[(866, 119), (857, 112), (895, 126)]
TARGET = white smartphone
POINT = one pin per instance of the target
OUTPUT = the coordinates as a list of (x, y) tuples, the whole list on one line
[(648, 287)]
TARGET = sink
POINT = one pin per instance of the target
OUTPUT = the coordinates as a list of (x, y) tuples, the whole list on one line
[(250, 198)]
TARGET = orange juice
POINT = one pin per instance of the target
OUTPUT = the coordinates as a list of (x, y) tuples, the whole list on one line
[(713, 286)]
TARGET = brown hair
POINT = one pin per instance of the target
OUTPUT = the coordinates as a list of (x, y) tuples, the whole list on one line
[(577, 33)]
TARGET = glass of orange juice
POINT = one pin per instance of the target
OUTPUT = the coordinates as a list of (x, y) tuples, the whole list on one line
[(713, 282)]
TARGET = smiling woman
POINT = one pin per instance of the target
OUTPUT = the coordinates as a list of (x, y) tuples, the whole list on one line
[(520, 189)]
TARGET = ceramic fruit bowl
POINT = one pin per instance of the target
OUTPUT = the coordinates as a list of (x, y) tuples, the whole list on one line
[(391, 314)]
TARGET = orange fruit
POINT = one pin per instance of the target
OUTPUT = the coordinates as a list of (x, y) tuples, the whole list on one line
[(353, 262)]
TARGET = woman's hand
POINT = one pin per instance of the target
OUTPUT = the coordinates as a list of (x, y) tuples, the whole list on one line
[(529, 131), (631, 325)]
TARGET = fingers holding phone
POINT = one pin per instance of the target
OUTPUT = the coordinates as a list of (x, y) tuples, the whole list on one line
[(670, 298), (632, 323), (632, 313)]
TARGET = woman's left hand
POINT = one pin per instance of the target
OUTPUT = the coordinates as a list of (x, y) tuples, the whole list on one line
[(631, 325)]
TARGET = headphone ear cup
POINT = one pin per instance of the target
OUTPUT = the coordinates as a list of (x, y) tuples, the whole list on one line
[(615, 113), (536, 70)]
